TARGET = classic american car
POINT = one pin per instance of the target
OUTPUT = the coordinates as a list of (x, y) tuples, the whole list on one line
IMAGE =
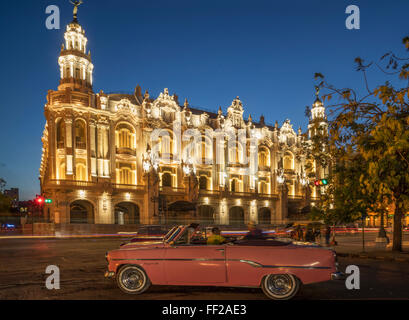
[(278, 267)]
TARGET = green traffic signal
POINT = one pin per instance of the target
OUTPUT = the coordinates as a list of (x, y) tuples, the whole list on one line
[(48, 201)]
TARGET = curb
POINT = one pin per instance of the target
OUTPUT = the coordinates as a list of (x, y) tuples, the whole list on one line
[(366, 256)]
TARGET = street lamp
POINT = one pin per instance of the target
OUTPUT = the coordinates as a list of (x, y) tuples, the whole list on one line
[(188, 167), (303, 179), (280, 176)]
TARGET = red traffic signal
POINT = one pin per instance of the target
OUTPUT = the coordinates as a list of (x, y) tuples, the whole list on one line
[(40, 200)]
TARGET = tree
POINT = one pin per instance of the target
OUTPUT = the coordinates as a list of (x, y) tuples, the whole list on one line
[(5, 202), (375, 127)]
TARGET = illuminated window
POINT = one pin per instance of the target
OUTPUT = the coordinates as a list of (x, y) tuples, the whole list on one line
[(81, 172), (263, 187), (288, 161), (61, 171), (80, 140), (125, 137), (60, 134), (264, 158), (235, 185)]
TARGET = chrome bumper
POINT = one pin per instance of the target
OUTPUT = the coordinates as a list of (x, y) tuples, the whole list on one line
[(338, 276), (109, 274)]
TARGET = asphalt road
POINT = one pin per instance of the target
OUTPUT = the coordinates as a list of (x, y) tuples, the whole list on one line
[(82, 265)]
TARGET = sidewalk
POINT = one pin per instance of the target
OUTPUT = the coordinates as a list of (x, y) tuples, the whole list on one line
[(372, 251)]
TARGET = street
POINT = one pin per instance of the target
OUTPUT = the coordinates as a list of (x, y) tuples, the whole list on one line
[(82, 265)]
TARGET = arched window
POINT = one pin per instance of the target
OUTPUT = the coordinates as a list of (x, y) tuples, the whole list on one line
[(80, 140), (166, 145), (263, 187), (60, 134), (288, 161), (125, 137), (125, 173), (236, 154), (61, 171), (125, 176), (264, 157), (81, 172), (206, 149), (166, 179)]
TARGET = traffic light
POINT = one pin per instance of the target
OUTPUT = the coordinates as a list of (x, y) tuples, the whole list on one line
[(39, 200), (48, 201), (321, 182)]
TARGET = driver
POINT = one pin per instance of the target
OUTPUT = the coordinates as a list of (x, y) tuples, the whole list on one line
[(216, 237)]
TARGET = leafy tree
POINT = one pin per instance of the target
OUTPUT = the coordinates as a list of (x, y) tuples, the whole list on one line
[(375, 128)]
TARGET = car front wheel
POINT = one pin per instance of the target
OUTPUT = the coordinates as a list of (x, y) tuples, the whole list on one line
[(280, 286), (133, 280)]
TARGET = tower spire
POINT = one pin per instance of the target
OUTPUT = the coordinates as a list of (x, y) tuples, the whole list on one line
[(318, 114), (76, 67)]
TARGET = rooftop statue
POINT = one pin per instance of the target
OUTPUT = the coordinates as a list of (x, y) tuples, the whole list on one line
[(76, 4)]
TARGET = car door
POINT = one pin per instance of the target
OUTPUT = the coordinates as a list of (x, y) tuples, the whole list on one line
[(195, 264)]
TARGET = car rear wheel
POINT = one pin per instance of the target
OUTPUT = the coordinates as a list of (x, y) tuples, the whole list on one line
[(280, 286), (133, 280)]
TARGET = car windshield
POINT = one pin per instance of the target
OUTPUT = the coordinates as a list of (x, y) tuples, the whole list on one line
[(170, 232), (175, 233)]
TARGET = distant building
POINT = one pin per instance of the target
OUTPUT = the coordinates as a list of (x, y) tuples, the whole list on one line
[(99, 166)]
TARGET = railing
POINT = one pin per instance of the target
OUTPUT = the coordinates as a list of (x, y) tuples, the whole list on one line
[(264, 168), (236, 193), (295, 197), (171, 189), (80, 145), (125, 150), (129, 186), (75, 183)]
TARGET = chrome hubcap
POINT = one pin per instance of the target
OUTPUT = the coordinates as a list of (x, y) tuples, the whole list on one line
[(279, 284), (132, 279)]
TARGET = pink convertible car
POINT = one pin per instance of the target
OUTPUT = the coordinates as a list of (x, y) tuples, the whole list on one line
[(279, 268)]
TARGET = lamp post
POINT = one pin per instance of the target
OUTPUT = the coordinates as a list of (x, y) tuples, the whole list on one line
[(149, 162), (280, 176)]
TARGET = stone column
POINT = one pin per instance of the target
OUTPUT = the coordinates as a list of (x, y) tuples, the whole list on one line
[(93, 150), (69, 148), (100, 160)]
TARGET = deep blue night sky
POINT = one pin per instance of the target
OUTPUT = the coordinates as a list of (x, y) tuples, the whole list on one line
[(266, 52)]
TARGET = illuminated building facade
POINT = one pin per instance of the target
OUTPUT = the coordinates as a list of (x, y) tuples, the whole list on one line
[(101, 164)]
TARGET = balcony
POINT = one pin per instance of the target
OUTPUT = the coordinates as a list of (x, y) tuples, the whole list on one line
[(80, 145), (71, 183), (127, 151), (132, 187), (264, 168), (172, 190)]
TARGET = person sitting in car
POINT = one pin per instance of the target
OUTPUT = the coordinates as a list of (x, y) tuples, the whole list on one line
[(254, 232), (216, 238)]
